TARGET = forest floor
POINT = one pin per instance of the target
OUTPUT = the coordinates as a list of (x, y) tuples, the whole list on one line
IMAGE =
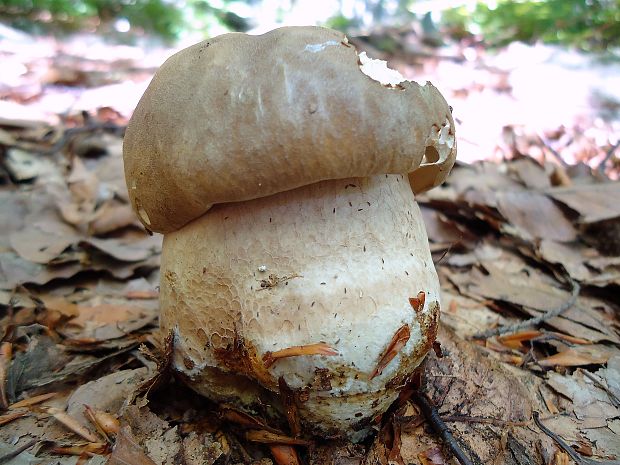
[(527, 226)]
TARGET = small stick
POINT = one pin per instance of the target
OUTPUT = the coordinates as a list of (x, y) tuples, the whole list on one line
[(90, 414), (9, 417), (601, 167), (11, 455), (612, 397), (578, 459), (553, 151), (533, 321), (432, 416), (492, 421), (32, 401), (267, 437), (71, 423)]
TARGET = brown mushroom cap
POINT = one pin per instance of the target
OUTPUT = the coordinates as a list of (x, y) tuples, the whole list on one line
[(240, 117)]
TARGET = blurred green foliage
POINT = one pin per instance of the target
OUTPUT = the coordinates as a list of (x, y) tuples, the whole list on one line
[(587, 24), (165, 18)]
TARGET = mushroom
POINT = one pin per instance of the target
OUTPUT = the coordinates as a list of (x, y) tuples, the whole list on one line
[(281, 169)]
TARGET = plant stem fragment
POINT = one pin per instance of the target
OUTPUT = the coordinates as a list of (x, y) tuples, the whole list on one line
[(320, 348)]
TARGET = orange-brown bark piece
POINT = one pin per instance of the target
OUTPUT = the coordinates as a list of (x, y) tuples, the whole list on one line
[(319, 348), (284, 455), (418, 302), (398, 341), (267, 437)]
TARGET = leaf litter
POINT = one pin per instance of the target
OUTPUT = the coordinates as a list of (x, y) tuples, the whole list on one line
[(85, 370)]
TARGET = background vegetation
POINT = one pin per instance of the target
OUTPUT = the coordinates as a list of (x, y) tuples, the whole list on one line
[(586, 24)]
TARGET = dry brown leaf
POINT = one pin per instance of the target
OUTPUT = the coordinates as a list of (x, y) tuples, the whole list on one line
[(530, 173), (571, 257), (127, 451), (432, 456), (581, 355), (60, 304), (535, 216), (594, 202), (83, 184), (39, 246), (107, 393), (108, 321), (72, 424), (590, 403), (128, 250), (112, 216), (525, 286)]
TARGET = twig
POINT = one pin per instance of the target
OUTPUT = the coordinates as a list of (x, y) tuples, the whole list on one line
[(612, 397), (492, 421), (608, 155), (68, 134), (432, 416), (89, 127), (14, 453), (554, 152), (578, 459), (533, 321)]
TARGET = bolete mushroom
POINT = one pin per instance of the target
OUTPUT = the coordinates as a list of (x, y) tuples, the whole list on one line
[(280, 169)]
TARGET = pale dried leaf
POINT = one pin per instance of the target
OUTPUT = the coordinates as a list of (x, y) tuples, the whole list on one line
[(594, 202), (535, 216), (127, 451)]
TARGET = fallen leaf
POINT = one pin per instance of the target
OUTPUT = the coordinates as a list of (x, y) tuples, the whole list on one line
[(127, 451), (127, 251), (108, 321), (535, 216), (112, 216), (594, 354), (41, 246), (72, 424), (432, 456), (107, 393), (594, 202), (570, 257)]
